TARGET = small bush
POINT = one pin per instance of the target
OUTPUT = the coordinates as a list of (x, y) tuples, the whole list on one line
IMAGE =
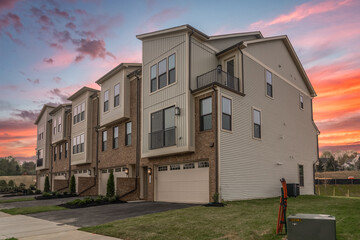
[(216, 197), (37, 191), (58, 194), (29, 192), (47, 184), (46, 194), (110, 188), (72, 185), (32, 187), (22, 185), (3, 183), (11, 183)]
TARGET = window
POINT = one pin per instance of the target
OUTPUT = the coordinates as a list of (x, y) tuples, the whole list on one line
[(117, 169), (60, 152), (269, 83), (153, 78), (104, 171), (203, 164), (257, 123), (162, 168), (78, 144), (104, 141), (230, 68), (55, 151), (54, 127), (301, 175), (128, 134), (205, 114), (117, 95), (301, 102), (174, 167), (171, 69), (162, 128), (189, 165), (66, 149), (116, 137), (162, 74), (40, 132), (79, 113), (59, 124), (106, 101), (226, 113)]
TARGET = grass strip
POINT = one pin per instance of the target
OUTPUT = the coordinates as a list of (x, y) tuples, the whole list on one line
[(17, 200), (29, 210)]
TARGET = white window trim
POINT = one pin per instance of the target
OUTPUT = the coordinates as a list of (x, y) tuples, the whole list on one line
[(300, 95), (252, 123), (232, 113), (103, 101), (272, 83), (119, 96)]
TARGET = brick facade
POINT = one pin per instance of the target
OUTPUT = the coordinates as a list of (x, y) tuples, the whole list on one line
[(204, 150), (125, 186), (88, 186), (60, 185)]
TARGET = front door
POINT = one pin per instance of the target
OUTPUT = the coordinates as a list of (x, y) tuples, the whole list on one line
[(230, 69)]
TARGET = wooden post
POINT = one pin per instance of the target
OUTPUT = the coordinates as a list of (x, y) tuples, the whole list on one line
[(334, 191), (348, 193)]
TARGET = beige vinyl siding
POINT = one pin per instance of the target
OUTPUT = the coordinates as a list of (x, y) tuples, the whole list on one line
[(275, 54), (249, 167), (45, 142), (59, 136), (203, 60), (175, 94), (82, 127), (223, 43)]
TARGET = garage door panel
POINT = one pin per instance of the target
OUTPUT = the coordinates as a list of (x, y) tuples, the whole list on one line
[(183, 185)]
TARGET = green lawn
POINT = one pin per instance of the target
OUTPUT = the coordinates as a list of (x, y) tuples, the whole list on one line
[(17, 200), (29, 210), (251, 219)]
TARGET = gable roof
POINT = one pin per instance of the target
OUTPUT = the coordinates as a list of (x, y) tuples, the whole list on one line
[(197, 32), (42, 112), (81, 91), (55, 110), (115, 70), (286, 41)]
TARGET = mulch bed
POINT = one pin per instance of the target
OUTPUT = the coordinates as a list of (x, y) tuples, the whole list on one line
[(41, 197), (214, 205), (93, 204)]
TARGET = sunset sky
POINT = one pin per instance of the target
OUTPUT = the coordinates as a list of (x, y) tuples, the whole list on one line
[(50, 49)]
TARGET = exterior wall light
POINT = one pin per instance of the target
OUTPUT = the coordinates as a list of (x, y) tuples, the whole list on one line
[(126, 171), (149, 171), (177, 111)]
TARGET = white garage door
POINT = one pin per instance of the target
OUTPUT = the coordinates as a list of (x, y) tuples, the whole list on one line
[(187, 182), (104, 176)]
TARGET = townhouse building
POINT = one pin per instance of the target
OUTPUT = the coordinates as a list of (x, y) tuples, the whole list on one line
[(200, 116)]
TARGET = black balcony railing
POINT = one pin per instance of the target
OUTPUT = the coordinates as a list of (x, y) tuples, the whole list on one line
[(220, 77), (162, 138), (39, 162)]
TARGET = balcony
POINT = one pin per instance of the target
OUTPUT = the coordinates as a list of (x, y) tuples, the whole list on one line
[(162, 138), (39, 162), (218, 77)]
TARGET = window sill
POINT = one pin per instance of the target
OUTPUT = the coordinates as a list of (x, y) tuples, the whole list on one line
[(272, 98), (258, 139), (167, 86), (226, 131)]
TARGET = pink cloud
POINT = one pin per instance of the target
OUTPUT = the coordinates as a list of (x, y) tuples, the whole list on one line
[(60, 13), (71, 25), (60, 60), (7, 4), (15, 40), (9, 19), (34, 81), (303, 11), (93, 48), (48, 60)]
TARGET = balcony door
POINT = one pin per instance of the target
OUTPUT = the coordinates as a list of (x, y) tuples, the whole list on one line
[(163, 128), (230, 71)]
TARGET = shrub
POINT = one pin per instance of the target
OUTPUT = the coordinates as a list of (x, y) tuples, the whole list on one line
[(29, 192), (47, 184), (58, 195), (37, 191), (110, 188), (216, 197), (22, 185), (11, 183), (3, 183), (46, 194), (72, 185), (32, 187)]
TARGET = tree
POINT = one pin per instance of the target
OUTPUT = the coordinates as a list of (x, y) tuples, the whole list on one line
[(72, 185), (320, 166), (47, 184), (28, 168), (326, 154), (110, 188), (3, 183), (11, 183), (332, 165)]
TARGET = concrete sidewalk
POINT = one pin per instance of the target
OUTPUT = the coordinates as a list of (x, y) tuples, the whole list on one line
[(29, 228)]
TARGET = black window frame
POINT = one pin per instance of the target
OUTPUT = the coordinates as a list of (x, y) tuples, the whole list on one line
[(103, 143), (106, 102), (60, 151), (256, 124), (128, 134), (66, 149), (55, 150), (269, 86), (226, 115), (301, 175), (115, 139), (153, 80), (202, 117), (170, 70), (301, 100), (163, 130), (117, 96)]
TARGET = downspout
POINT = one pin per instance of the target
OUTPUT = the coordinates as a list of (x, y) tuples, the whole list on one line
[(51, 157), (137, 166), (317, 145), (192, 32), (242, 70), (97, 150), (216, 143)]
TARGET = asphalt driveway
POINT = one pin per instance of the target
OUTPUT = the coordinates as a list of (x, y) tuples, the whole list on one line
[(91, 216), (33, 203)]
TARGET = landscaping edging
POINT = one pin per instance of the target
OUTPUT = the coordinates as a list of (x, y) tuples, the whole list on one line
[(214, 205)]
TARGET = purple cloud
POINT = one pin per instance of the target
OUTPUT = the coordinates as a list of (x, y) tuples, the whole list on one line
[(71, 25), (9, 19), (57, 93), (34, 81), (48, 60), (26, 114), (57, 79), (7, 4), (93, 48), (15, 40)]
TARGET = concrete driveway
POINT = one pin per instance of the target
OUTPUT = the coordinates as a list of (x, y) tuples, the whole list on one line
[(91, 216), (29, 228)]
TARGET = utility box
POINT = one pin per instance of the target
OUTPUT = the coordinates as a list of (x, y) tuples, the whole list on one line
[(311, 227), (293, 189)]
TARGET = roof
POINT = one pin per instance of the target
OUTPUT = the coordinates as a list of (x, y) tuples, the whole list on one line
[(134, 73), (286, 41), (82, 91), (59, 107), (197, 32), (42, 112), (115, 70)]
